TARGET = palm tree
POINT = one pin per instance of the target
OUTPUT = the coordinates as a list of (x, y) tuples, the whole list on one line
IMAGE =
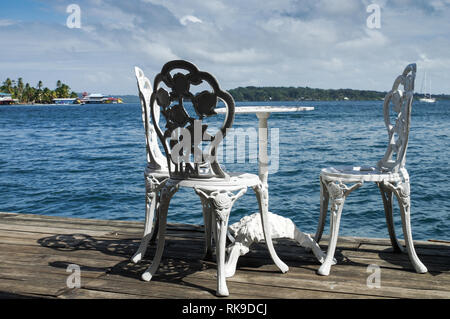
[(47, 95), (26, 93), (20, 87), (64, 90), (39, 87), (7, 86)]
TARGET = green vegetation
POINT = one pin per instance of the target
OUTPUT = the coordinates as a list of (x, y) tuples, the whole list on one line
[(25, 93), (253, 94)]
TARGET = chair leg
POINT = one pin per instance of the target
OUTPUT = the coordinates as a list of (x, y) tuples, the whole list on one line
[(402, 192), (338, 193), (167, 193), (324, 198), (151, 205), (262, 196), (221, 202), (154, 234), (387, 197), (220, 233), (148, 230), (207, 219)]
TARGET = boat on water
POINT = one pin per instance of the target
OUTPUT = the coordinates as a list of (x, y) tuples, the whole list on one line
[(112, 100), (426, 97), (97, 98), (427, 100), (69, 101), (6, 99)]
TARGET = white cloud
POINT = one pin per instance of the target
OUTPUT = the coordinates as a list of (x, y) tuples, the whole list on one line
[(186, 19), (370, 39), (244, 56), (6, 22), (319, 43)]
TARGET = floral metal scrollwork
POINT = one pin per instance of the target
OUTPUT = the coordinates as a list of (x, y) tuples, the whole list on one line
[(171, 103), (401, 102)]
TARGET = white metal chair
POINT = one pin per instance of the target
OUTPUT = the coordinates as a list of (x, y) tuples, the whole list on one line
[(156, 173), (190, 165), (390, 175)]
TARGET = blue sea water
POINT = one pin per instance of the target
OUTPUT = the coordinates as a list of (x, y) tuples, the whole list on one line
[(87, 161)]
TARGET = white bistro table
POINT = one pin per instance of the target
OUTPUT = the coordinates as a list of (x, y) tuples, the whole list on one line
[(263, 113), (279, 227)]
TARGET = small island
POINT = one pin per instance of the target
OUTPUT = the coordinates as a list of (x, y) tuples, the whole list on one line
[(259, 94), (18, 92)]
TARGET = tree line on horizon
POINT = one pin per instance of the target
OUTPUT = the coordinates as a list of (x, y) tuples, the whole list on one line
[(26, 93), (255, 94)]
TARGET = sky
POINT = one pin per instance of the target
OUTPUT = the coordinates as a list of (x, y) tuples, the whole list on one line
[(315, 43)]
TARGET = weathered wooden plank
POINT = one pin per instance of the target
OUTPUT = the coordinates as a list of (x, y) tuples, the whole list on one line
[(389, 286), (82, 293), (45, 285), (60, 261), (278, 281), (17, 290), (35, 251), (98, 231), (102, 249), (95, 224), (353, 256), (90, 223), (153, 289), (174, 251), (39, 229), (353, 267), (385, 241), (18, 271), (5, 214), (202, 285), (20, 237), (177, 248), (421, 250), (261, 289)]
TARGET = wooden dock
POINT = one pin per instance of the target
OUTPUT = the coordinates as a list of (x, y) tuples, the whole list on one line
[(35, 252)]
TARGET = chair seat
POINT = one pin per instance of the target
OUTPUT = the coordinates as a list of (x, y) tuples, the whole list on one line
[(157, 173), (235, 182), (353, 174)]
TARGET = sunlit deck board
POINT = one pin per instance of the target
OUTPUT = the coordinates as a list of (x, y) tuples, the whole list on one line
[(35, 251)]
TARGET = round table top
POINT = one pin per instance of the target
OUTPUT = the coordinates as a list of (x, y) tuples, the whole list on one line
[(267, 109)]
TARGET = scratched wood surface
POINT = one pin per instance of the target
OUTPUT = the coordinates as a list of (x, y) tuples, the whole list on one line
[(36, 250)]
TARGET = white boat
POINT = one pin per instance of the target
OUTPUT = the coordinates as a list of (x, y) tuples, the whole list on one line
[(67, 101), (93, 98), (427, 97), (99, 99), (6, 98)]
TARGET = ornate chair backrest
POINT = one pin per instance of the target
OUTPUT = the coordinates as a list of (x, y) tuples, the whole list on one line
[(400, 100), (155, 159), (184, 134)]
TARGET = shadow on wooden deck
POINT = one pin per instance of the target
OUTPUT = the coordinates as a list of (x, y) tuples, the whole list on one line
[(35, 252)]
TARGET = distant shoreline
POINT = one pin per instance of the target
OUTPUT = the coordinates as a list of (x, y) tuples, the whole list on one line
[(300, 94), (243, 96), (137, 102)]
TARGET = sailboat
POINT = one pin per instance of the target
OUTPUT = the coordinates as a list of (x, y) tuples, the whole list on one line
[(427, 97)]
